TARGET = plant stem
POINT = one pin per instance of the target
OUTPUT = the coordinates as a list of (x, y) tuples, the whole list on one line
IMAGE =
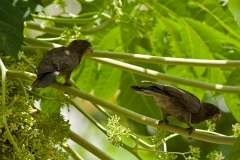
[(88, 146), (65, 20), (85, 14), (28, 62), (166, 60), (59, 31), (159, 60), (44, 28), (129, 114), (72, 152), (21, 74), (157, 75), (22, 86), (143, 119), (210, 132), (4, 119), (125, 146), (106, 114), (35, 42), (88, 116), (32, 50)]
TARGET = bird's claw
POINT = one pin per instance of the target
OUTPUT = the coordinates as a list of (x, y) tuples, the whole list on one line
[(190, 130), (164, 121), (67, 84)]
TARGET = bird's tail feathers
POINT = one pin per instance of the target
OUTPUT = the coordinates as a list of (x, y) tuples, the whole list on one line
[(148, 91), (45, 80)]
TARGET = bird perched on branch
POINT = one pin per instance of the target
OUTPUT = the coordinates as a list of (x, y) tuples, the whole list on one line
[(60, 61), (179, 103)]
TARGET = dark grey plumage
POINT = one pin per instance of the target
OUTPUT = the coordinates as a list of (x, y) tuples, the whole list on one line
[(60, 61), (179, 103)]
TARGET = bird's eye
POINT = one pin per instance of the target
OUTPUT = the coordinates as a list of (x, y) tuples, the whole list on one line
[(84, 42), (214, 108)]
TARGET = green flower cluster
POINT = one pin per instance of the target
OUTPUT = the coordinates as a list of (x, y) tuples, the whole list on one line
[(25, 131), (116, 131)]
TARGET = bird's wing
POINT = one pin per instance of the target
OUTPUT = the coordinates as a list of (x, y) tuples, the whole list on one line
[(191, 102), (58, 59)]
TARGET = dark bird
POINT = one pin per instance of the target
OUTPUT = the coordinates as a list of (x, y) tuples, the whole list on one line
[(60, 61), (179, 103)]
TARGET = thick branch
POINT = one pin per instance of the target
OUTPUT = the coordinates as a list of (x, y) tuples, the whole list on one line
[(144, 119), (3, 97), (157, 75), (135, 116), (156, 59), (167, 60)]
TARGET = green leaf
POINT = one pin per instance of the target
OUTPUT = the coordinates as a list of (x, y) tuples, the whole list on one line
[(208, 38), (216, 76), (234, 78), (108, 78), (166, 33), (107, 82), (235, 150), (86, 75), (133, 101), (13, 14)]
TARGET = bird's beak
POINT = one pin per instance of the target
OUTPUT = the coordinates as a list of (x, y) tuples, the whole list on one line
[(216, 117), (89, 50)]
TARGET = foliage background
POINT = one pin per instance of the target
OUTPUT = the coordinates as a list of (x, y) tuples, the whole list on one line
[(168, 28)]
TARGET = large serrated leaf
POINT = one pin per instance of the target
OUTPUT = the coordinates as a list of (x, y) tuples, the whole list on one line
[(234, 78), (196, 47), (218, 17), (107, 40), (210, 36), (85, 75), (216, 76), (107, 82), (13, 14), (133, 101), (172, 28)]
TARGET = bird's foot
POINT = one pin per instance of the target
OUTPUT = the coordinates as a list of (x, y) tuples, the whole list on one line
[(164, 121), (67, 84), (190, 130)]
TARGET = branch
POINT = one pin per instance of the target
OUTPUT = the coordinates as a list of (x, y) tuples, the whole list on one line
[(166, 60), (4, 119), (72, 152), (35, 42), (155, 59), (157, 75), (125, 146), (65, 20), (135, 116), (59, 31), (88, 146), (144, 119), (21, 74)]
